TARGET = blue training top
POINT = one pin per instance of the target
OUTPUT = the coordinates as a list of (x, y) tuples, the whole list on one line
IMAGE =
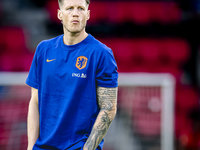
[(66, 78)]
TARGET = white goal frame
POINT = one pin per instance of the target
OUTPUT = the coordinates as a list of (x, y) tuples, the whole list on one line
[(165, 81), (167, 84)]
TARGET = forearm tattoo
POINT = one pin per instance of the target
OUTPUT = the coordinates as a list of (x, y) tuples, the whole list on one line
[(107, 100)]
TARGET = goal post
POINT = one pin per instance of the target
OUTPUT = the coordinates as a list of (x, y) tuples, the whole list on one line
[(13, 78), (167, 84)]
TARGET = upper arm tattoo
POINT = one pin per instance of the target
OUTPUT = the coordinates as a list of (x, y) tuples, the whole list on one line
[(107, 98)]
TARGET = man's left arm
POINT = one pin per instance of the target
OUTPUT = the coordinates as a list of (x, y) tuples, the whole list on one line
[(107, 100)]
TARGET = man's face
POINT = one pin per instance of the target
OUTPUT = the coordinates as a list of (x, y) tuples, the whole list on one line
[(74, 15)]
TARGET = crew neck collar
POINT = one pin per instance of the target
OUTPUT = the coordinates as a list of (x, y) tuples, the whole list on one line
[(75, 46)]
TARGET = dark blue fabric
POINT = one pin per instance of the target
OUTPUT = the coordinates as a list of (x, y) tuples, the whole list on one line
[(66, 78)]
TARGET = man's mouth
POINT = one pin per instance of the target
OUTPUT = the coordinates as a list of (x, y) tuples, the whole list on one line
[(75, 21)]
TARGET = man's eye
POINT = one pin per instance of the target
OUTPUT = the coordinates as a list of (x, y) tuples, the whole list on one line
[(69, 8), (81, 8)]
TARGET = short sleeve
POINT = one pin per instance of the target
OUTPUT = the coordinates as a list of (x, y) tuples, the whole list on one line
[(32, 79), (107, 75)]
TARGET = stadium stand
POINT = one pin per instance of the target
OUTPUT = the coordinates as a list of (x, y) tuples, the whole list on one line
[(13, 39), (186, 100), (14, 53), (52, 7), (134, 11), (133, 48), (149, 55), (177, 50), (124, 11)]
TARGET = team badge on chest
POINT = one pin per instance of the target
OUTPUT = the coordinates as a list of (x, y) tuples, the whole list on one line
[(81, 62)]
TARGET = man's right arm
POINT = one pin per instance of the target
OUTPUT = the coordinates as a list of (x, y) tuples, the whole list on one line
[(33, 119)]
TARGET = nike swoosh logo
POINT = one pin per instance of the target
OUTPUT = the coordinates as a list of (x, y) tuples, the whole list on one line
[(50, 60)]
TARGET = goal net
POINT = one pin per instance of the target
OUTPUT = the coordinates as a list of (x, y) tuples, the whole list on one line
[(144, 120), (14, 99)]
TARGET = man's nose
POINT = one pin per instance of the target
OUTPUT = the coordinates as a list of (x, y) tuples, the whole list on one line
[(75, 13)]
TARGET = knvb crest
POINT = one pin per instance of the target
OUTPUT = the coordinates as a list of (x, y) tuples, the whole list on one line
[(81, 62)]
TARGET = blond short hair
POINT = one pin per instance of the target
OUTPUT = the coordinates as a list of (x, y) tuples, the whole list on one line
[(60, 2)]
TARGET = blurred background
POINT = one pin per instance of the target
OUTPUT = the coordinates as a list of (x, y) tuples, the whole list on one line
[(146, 36)]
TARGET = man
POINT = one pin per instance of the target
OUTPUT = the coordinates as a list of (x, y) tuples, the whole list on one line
[(74, 86)]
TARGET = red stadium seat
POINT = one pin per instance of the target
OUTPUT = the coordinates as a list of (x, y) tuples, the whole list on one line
[(98, 12), (149, 55), (10, 62), (140, 12), (182, 125), (177, 50), (119, 12), (122, 49), (166, 12), (14, 54), (150, 50), (127, 54), (134, 11), (186, 100), (116, 12), (12, 40), (52, 8)]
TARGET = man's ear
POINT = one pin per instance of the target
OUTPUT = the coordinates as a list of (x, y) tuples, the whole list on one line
[(59, 14), (88, 14)]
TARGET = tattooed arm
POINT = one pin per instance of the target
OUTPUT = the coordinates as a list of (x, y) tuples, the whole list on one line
[(107, 100)]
